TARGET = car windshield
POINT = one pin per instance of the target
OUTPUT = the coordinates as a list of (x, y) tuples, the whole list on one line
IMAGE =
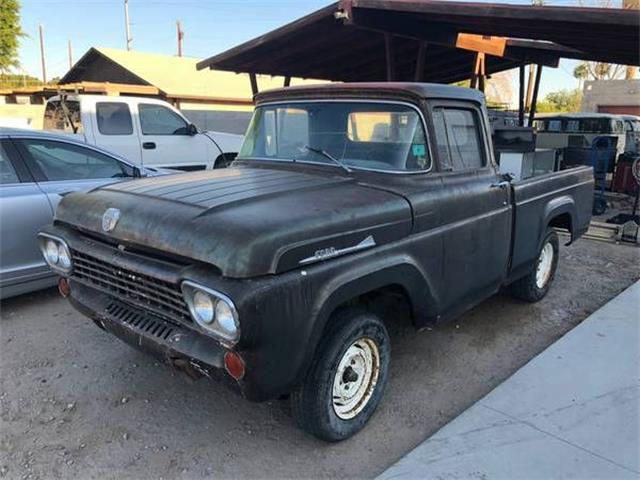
[(378, 136)]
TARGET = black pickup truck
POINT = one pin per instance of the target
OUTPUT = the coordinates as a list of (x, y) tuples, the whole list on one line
[(269, 274)]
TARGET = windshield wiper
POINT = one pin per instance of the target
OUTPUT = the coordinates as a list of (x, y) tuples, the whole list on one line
[(326, 154)]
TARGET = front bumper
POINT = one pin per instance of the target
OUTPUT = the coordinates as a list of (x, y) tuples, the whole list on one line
[(173, 344)]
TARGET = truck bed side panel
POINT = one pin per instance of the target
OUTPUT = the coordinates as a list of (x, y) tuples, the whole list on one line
[(540, 200)]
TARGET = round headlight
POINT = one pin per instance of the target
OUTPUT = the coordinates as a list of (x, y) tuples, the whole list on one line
[(51, 252), (203, 306), (225, 320), (63, 257)]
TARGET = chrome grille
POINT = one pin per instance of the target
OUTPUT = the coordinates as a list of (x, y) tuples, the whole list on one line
[(159, 296)]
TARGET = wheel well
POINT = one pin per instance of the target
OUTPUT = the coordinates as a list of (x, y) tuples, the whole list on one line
[(391, 303), (224, 159), (562, 221)]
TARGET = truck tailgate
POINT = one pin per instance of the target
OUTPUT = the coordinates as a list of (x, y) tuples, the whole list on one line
[(564, 198)]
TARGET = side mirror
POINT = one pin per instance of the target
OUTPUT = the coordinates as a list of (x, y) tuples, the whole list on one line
[(192, 130), (136, 172)]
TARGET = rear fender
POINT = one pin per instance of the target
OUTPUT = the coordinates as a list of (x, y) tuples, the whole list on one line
[(564, 205)]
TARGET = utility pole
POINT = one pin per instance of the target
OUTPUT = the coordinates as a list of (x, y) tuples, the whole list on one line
[(70, 52), (180, 37), (127, 25), (42, 59)]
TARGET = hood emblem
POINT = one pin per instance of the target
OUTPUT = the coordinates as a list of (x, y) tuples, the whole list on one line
[(109, 219), (331, 252)]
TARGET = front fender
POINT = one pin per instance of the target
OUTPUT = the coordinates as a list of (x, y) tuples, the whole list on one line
[(402, 271)]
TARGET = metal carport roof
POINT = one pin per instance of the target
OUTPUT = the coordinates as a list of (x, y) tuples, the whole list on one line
[(351, 40)]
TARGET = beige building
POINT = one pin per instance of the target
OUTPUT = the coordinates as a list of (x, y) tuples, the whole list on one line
[(612, 96), (213, 100)]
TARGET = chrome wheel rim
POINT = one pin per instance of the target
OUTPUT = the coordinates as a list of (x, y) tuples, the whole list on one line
[(545, 261), (356, 378)]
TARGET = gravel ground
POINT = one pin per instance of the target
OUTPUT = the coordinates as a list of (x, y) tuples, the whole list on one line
[(77, 403)]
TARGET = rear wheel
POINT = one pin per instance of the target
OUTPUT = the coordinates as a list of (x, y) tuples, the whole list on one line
[(347, 378), (535, 286)]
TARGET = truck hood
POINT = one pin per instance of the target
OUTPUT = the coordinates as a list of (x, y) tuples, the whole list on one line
[(246, 221)]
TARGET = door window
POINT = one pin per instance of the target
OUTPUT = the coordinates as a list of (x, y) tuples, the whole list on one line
[(114, 118), (159, 120), (63, 161), (7, 172), (458, 138)]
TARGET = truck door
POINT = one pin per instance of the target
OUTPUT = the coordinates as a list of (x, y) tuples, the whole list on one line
[(114, 129), (476, 218), (168, 142)]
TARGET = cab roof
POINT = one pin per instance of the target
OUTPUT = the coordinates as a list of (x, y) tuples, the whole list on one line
[(417, 91)]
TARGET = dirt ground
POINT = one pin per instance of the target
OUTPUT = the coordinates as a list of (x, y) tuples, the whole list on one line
[(77, 403)]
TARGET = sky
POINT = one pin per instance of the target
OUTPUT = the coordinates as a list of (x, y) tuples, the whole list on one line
[(210, 27)]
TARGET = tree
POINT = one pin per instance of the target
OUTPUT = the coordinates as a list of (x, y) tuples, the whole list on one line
[(17, 80), (598, 71), (562, 101), (581, 72), (10, 34)]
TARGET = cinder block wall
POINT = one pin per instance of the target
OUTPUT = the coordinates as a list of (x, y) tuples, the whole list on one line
[(610, 93), (17, 115)]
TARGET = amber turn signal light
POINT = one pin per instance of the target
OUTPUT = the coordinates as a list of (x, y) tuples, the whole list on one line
[(234, 365), (63, 287)]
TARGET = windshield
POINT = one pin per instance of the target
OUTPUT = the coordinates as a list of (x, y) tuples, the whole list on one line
[(377, 136)]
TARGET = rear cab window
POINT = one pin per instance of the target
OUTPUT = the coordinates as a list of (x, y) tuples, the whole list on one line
[(63, 115), (114, 118)]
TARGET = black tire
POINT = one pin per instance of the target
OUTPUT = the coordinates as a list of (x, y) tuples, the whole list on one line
[(312, 403), (527, 288), (599, 206)]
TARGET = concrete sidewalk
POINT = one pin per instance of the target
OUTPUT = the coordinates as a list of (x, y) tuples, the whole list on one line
[(571, 412)]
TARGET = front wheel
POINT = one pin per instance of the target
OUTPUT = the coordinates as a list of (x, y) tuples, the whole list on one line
[(535, 286), (347, 377)]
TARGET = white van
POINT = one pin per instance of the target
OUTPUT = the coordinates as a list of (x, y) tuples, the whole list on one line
[(146, 131), (561, 130)]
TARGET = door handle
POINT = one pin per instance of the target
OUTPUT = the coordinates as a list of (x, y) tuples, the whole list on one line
[(501, 184), (149, 145)]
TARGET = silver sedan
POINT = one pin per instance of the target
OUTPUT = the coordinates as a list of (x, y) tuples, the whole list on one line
[(36, 170)]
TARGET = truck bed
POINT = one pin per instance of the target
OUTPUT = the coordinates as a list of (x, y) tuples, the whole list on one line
[(563, 199)]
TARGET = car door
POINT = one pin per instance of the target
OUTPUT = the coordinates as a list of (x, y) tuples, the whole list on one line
[(476, 218), (167, 140), (62, 167), (24, 208)]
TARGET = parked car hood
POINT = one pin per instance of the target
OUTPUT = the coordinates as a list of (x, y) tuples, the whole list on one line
[(246, 221)]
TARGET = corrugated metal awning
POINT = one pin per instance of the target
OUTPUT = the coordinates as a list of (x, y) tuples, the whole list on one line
[(351, 40)]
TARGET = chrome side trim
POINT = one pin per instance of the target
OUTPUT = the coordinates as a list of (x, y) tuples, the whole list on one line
[(327, 253)]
